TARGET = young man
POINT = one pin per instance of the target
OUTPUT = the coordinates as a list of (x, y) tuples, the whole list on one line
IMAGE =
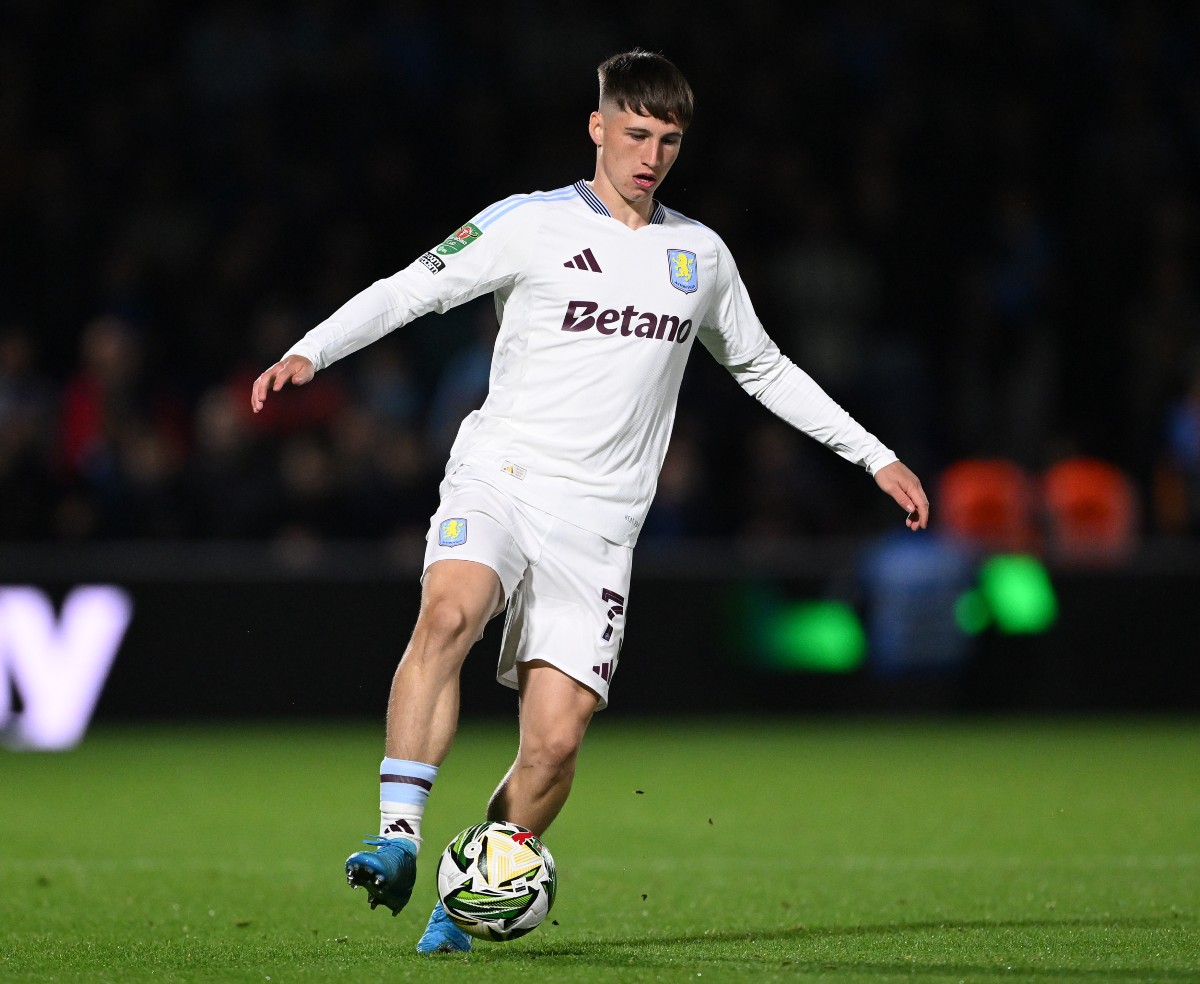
[(600, 292)]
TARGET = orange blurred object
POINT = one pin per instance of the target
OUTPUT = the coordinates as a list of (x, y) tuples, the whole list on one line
[(989, 502), (1091, 511)]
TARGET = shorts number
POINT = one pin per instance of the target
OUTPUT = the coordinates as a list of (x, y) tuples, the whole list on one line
[(618, 608)]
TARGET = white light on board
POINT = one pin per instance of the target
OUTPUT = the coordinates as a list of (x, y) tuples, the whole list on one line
[(57, 662)]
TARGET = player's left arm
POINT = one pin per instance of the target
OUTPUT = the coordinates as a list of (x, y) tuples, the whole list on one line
[(792, 395), (734, 336)]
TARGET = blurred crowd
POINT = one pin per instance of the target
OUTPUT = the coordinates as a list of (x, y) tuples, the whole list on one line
[(974, 224)]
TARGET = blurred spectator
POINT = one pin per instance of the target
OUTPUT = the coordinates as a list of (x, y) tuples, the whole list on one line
[(26, 428), (462, 384), (785, 487), (1006, 359), (1162, 331), (230, 484), (682, 498), (1177, 478), (386, 385), (830, 286), (308, 506), (122, 437), (388, 480)]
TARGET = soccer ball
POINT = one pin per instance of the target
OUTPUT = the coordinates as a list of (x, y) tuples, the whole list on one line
[(496, 881)]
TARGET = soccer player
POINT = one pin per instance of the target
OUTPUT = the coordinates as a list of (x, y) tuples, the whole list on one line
[(600, 292)]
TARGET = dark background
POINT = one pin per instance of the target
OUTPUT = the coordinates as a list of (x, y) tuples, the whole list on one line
[(974, 224), (277, 637)]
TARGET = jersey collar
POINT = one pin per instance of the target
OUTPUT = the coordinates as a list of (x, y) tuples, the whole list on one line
[(593, 200)]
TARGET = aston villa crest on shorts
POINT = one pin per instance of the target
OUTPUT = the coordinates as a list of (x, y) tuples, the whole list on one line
[(682, 265), (452, 532)]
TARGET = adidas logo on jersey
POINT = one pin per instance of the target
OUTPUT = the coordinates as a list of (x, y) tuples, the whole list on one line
[(582, 315), (584, 261)]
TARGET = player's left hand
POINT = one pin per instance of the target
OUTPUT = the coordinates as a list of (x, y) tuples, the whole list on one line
[(903, 486)]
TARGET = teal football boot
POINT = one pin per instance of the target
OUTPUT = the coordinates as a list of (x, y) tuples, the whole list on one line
[(387, 873), (442, 936)]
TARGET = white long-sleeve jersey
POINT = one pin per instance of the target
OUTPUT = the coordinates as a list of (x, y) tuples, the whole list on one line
[(596, 324)]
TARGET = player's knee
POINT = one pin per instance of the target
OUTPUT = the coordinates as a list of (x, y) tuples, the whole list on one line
[(554, 753), (446, 624)]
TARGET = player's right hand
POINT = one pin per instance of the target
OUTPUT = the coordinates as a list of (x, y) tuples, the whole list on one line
[(295, 369)]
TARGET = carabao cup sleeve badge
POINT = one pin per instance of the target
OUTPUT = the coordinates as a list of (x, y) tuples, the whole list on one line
[(459, 240), (682, 265), (452, 532)]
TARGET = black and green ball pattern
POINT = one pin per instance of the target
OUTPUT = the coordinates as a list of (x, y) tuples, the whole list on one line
[(497, 881)]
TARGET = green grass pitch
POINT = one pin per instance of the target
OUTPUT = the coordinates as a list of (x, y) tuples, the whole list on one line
[(701, 851)]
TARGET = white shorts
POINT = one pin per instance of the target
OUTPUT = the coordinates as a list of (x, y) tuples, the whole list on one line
[(565, 588)]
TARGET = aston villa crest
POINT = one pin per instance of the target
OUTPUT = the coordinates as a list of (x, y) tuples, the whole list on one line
[(452, 532), (682, 265)]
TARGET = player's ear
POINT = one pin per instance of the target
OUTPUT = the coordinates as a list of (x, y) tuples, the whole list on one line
[(596, 127)]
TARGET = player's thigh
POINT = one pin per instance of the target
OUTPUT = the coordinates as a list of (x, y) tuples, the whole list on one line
[(459, 595), (475, 526)]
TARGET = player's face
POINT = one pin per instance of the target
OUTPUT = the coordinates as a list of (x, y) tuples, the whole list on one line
[(635, 152)]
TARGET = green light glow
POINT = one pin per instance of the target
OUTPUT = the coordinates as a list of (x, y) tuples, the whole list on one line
[(1018, 593), (971, 612), (817, 636)]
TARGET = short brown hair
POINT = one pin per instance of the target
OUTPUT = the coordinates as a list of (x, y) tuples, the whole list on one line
[(645, 83)]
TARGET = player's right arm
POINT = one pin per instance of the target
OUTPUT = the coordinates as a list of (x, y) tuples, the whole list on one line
[(481, 256)]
